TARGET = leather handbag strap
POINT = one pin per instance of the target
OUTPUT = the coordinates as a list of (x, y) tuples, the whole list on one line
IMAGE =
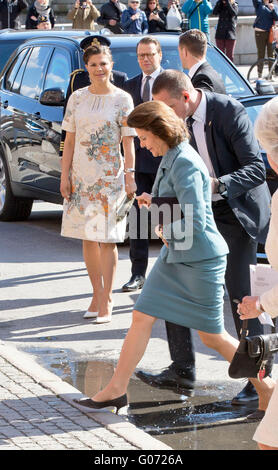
[(244, 329), (199, 4)]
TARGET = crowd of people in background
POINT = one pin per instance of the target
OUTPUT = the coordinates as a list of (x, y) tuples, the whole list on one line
[(194, 104), (133, 18)]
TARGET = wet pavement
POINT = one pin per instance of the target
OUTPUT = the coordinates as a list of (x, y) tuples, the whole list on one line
[(44, 293), (206, 421)]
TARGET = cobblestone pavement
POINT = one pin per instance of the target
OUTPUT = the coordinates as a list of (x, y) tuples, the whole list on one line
[(33, 417)]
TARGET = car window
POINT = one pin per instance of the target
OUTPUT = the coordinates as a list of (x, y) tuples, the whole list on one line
[(125, 60), (17, 81), (12, 72), (7, 49), (31, 84), (234, 84), (59, 70)]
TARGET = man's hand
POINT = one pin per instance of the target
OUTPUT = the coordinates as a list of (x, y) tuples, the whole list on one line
[(249, 307)]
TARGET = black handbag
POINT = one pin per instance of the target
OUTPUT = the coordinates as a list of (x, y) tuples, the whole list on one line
[(254, 355)]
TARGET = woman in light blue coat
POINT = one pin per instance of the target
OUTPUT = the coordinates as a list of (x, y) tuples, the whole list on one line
[(186, 284)]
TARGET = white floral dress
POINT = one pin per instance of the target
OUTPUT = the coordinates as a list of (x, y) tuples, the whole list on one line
[(99, 123)]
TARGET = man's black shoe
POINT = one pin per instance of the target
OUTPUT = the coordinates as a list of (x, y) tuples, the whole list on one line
[(136, 282), (168, 379), (247, 394)]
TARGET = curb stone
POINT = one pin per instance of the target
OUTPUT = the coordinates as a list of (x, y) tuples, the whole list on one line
[(66, 392)]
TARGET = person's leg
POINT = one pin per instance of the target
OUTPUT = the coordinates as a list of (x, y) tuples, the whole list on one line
[(134, 346), (181, 349), (220, 44), (226, 345), (139, 247), (242, 253), (230, 48), (91, 255), (109, 258), (261, 41)]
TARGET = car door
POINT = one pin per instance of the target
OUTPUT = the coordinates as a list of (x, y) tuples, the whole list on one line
[(21, 129), (57, 76)]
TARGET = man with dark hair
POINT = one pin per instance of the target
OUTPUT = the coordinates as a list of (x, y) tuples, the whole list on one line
[(110, 16), (149, 56), (222, 134), (79, 78), (192, 51)]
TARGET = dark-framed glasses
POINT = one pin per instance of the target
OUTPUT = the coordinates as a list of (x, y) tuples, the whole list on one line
[(148, 55)]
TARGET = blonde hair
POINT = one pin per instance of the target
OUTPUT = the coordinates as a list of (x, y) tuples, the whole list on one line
[(266, 128), (162, 121)]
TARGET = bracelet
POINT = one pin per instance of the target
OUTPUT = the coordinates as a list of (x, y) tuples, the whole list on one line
[(129, 170)]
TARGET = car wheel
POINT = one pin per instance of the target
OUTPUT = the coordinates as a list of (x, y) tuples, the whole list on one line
[(11, 207)]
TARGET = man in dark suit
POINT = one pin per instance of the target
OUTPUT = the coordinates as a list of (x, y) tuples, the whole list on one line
[(222, 134), (140, 87), (79, 78), (192, 51)]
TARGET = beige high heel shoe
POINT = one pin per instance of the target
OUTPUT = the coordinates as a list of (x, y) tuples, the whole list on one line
[(105, 318)]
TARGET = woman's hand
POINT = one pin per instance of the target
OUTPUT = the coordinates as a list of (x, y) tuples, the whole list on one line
[(145, 199), (65, 187), (130, 185), (249, 307), (154, 16), (159, 232)]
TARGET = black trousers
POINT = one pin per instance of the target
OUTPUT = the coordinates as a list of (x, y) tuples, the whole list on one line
[(139, 247), (242, 253)]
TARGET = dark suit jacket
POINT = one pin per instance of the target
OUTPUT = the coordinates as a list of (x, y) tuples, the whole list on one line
[(237, 159), (207, 78), (144, 161)]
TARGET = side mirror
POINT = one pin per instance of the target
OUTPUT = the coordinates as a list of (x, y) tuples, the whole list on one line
[(263, 87), (52, 97)]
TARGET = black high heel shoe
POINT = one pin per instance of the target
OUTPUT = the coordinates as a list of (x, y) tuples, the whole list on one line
[(117, 403)]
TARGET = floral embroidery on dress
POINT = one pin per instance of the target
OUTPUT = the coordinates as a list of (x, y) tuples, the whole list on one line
[(99, 123)]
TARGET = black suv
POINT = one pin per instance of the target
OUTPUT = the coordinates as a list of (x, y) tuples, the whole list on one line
[(33, 84)]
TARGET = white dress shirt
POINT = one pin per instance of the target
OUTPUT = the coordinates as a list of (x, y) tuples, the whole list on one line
[(152, 79), (198, 128)]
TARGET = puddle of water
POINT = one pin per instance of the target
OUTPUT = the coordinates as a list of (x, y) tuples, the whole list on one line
[(206, 421)]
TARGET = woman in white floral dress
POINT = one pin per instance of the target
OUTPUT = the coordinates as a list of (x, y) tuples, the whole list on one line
[(93, 179)]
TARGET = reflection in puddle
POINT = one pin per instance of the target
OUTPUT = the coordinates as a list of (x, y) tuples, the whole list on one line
[(206, 421)]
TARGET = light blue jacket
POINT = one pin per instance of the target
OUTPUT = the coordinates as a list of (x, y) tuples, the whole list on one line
[(199, 19), (183, 174)]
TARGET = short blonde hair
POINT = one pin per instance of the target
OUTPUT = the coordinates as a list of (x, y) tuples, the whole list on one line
[(266, 128), (161, 120)]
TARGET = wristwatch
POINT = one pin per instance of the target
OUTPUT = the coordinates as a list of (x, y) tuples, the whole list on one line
[(222, 190)]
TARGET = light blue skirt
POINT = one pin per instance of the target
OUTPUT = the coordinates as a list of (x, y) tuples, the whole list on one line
[(186, 294)]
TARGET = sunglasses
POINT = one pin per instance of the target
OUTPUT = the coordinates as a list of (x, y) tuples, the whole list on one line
[(134, 2)]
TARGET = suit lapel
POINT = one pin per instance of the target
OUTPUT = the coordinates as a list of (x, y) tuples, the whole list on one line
[(137, 94), (210, 123)]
